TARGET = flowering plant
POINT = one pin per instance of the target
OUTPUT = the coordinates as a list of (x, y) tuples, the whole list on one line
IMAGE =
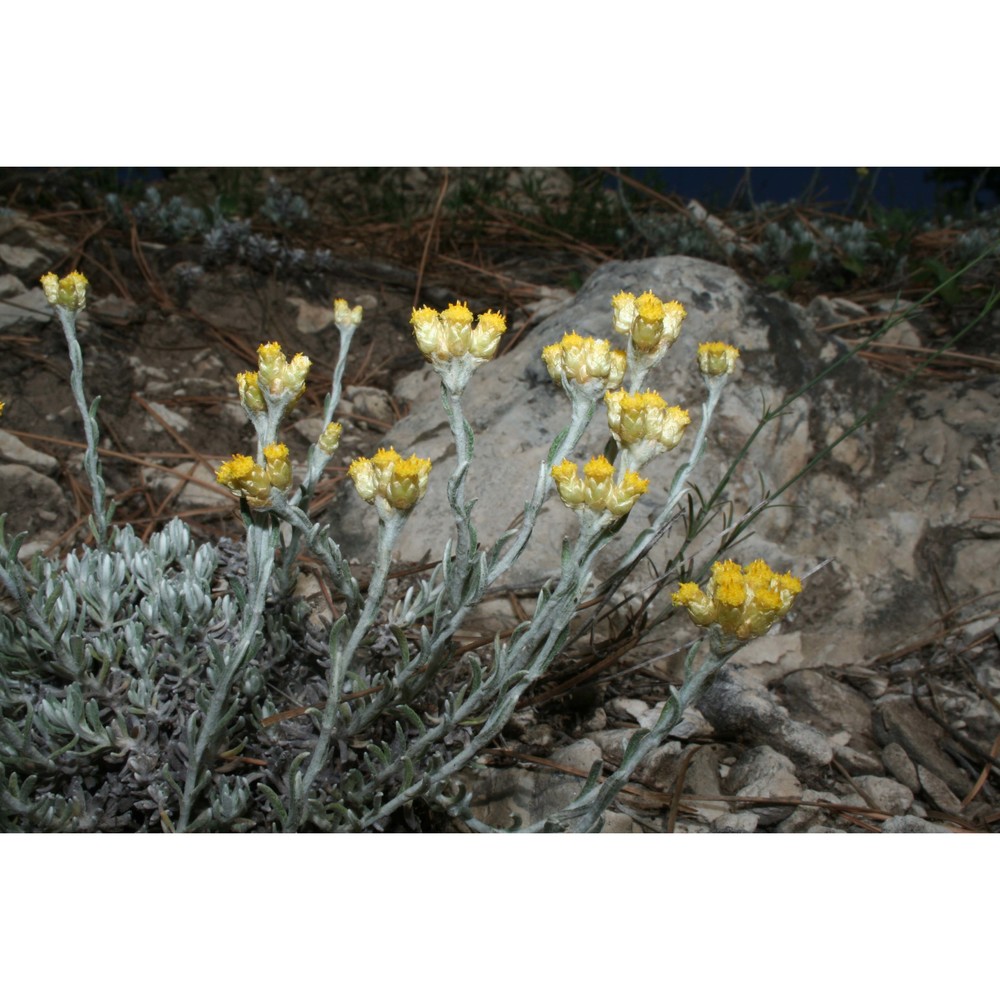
[(127, 654)]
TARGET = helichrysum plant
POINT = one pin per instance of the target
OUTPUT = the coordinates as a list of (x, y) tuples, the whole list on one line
[(138, 687)]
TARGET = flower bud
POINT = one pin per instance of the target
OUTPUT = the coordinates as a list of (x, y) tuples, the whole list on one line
[(717, 359)]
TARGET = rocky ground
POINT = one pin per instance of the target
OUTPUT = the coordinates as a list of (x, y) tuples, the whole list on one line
[(875, 708)]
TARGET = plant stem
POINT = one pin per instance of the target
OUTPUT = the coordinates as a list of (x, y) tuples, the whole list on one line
[(91, 464)]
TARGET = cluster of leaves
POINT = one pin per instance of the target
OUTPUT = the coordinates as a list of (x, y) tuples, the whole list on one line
[(100, 690)]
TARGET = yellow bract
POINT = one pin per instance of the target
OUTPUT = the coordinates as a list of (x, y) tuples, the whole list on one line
[(69, 292), (716, 358), (583, 360), (597, 490), (743, 601), (644, 416), (387, 476), (652, 324), (450, 334)]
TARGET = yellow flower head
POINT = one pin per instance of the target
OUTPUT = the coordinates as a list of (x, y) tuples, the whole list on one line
[(69, 292), (597, 490), (644, 416), (584, 360), (388, 477), (279, 468), (1, 408), (717, 359), (623, 496), (450, 334), (743, 602), (407, 482), (330, 438), (271, 363), (243, 477), (624, 312), (280, 375), (651, 324), (344, 315), (250, 394)]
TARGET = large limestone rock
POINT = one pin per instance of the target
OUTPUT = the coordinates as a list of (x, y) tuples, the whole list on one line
[(866, 519)]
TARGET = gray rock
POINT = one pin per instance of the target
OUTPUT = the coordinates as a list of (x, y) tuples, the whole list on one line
[(898, 763), (911, 824), (806, 819), (23, 315), (864, 505), (11, 285), (34, 503), (25, 262), (885, 794), (740, 822), (938, 791), (740, 710), (856, 761), (764, 773), (13, 450), (825, 703), (900, 721), (660, 769)]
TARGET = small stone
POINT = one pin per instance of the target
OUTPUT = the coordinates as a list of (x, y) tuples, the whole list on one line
[(612, 743), (311, 318), (806, 818), (11, 285), (616, 822), (826, 703), (764, 773), (739, 709), (856, 761), (25, 314), (14, 451), (628, 708), (911, 824), (740, 822), (595, 722), (581, 755), (115, 311), (659, 770), (938, 791), (25, 262), (899, 720), (899, 765), (886, 794)]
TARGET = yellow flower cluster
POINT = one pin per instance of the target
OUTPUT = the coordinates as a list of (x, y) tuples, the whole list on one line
[(450, 333), (597, 490), (644, 416), (245, 478), (652, 325), (716, 358), (277, 373), (583, 360), (743, 601), (69, 292), (330, 438), (344, 315), (399, 482)]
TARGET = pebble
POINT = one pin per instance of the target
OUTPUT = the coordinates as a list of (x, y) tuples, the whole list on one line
[(886, 794), (741, 710), (938, 791), (740, 822), (762, 772), (899, 765), (911, 824)]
